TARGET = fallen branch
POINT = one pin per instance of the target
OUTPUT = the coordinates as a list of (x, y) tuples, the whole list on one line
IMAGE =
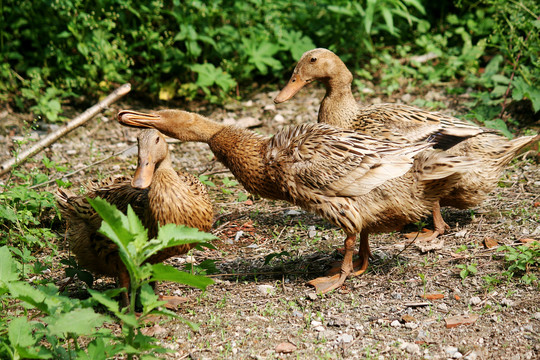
[(63, 130)]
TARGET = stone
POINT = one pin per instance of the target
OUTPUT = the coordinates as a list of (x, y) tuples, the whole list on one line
[(475, 300), (507, 302), (451, 350), (285, 348), (279, 118), (411, 348), (395, 323), (266, 289), (442, 306), (411, 325)]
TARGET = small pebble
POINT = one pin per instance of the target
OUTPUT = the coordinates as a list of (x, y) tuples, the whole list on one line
[(507, 302), (442, 306), (266, 289), (411, 348), (315, 323), (536, 316), (411, 325), (451, 350), (472, 356), (395, 323), (346, 338), (279, 118), (475, 300), (319, 328)]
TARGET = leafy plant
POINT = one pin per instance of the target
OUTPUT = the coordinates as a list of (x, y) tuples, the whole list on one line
[(467, 270), (23, 337), (521, 261)]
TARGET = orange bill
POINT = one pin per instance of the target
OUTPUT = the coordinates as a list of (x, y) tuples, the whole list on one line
[(292, 87), (135, 118), (143, 175)]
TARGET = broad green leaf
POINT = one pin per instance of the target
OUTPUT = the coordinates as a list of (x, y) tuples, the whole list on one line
[(389, 20), (106, 301), (78, 321), (8, 266), (20, 334), (8, 213), (168, 273), (173, 235), (115, 225), (149, 299), (27, 293)]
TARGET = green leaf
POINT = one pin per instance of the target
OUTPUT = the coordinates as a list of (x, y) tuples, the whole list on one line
[(149, 299), (8, 213), (106, 301), (172, 235), (389, 20), (8, 266), (20, 334), (162, 272), (77, 321)]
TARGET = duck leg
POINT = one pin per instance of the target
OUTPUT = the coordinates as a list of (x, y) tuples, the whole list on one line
[(364, 253), (328, 283)]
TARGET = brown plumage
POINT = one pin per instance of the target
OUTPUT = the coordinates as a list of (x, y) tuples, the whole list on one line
[(158, 195), (358, 183), (408, 124)]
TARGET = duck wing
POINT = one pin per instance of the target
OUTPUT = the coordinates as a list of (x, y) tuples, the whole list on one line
[(316, 158)]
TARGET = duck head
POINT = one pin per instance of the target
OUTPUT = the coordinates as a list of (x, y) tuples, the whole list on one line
[(317, 64)]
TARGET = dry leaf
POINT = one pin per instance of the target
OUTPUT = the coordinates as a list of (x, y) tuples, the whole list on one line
[(424, 234), (490, 243), (454, 321), (457, 297), (173, 301), (408, 318), (432, 296)]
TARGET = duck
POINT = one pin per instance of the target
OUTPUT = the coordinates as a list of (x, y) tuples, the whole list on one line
[(158, 195), (358, 183), (409, 124)]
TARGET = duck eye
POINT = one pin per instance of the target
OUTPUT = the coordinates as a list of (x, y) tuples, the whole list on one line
[(157, 140), (313, 59)]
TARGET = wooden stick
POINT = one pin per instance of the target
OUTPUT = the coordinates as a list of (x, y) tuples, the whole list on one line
[(63, 130)]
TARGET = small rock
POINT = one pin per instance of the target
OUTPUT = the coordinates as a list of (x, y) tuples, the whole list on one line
[(190, 259), (248, 103), (292, 212), (345, 338), (319, 328), (315, 323), (411, 348), (71, 152), (279, 118), (252, 246), (536, 316), (411, 325), (312, 296), (461, 233), (395, 323), (266, 289), (451, 350), (397, 296), (528, 328), (238, 235), (270, 107), (507, 302), (406, 98), (475, 300), (312, 234), (298, 314), (442, 306), (285, 348), (472, 356)]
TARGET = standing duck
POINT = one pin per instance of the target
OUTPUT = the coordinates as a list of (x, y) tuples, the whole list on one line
[(403, 123), (158, 195), (356, 182)]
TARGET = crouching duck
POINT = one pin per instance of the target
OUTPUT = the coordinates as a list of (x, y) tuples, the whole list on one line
[(361, 184), (158, 195)]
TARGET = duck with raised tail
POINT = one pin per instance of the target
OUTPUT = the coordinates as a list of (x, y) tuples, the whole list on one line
[(409, 124), (361, 184)]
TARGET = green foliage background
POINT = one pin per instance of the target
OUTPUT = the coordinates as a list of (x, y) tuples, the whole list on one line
[(53, 52)]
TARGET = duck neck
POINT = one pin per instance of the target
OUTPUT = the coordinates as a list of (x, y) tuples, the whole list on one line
[(243, 152), (338, 106)]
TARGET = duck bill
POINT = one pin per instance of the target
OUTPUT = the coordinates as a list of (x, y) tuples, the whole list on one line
[(292, 87), (137, 119), (144, 173)]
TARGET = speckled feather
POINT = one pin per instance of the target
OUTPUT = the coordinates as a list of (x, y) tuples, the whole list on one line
[(403, 123), (354, 181), (172, 197)]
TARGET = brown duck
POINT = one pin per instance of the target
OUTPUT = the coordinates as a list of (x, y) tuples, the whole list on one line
[(403, 123), (158, 195), (356, 182)]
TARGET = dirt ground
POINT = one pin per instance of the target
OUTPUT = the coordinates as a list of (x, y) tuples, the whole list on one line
[(261, 309)]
